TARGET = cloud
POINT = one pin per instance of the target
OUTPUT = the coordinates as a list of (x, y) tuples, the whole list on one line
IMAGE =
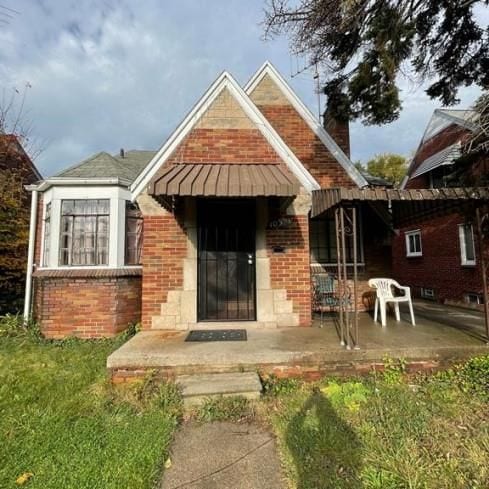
[(118, 73)]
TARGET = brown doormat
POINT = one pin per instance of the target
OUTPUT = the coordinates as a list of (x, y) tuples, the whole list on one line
[(217, 335)]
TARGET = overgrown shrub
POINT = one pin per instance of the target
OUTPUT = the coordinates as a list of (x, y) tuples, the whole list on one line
[(473, 376), (235, 408), (13, 325), (273, 386)]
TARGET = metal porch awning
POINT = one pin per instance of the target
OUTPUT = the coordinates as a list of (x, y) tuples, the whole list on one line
[(325, 199), (446, 156), (225, 180)]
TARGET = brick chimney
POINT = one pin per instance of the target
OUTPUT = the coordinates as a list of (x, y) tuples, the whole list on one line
[(338, 130)]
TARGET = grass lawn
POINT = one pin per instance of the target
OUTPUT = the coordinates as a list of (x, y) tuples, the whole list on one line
[(62, 421), (383, 432)]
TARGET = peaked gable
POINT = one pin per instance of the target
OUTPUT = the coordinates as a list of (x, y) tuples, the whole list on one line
[(224, 127), (224, 134), (301, 131)]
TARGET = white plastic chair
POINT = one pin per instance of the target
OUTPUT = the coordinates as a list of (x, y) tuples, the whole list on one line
[(384, 289)]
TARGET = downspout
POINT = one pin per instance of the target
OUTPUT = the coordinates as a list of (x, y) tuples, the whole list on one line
[(30, 257)]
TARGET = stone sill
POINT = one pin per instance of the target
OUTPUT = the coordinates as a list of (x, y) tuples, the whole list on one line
[(88, 272)]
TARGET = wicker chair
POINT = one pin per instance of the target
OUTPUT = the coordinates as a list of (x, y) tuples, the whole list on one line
[(325, 296)]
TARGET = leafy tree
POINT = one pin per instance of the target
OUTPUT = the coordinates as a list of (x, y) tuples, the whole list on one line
[(389, 166), (14, 236), (15, 171), (364, 45)]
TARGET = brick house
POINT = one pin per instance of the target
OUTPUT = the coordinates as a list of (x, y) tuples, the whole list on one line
[(438, 256), (16, 171), (212, 227)]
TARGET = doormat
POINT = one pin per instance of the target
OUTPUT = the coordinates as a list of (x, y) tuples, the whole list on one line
[(217, 335)]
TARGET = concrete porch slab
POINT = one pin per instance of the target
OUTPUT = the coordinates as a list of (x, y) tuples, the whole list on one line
[(297, 349)]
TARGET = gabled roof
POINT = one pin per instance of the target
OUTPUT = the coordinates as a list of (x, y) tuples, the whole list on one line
[(443, 118), (224, 81), (104, 165), (268, 69)]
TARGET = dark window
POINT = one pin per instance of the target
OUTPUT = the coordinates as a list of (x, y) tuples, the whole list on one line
[(84, 238), (322, 236), (467, 246), (134, 234), (47, 235)]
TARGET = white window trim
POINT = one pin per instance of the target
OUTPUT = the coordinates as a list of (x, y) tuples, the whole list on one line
[(410, 253), (117, 224), (463, 249)]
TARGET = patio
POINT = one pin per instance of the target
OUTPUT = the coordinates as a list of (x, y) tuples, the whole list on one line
[(310, 352)]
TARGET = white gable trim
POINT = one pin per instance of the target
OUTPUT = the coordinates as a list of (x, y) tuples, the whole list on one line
[(224, 81), (268, 69)]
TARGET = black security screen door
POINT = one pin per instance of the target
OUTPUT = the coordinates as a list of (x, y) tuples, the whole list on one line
[(226, 267)]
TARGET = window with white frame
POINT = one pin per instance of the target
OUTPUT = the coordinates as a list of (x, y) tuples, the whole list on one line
[(47, 235), (413, 243), (467, 246), (84, 232)]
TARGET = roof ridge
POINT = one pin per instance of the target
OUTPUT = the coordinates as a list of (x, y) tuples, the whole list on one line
[(83, 162)]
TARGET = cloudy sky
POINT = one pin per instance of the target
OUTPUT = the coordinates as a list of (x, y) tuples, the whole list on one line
[(106, 74)]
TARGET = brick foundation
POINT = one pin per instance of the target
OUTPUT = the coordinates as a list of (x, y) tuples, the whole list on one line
[(86, 306), (307, 372)]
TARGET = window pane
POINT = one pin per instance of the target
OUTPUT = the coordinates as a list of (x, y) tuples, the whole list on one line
[(417, 243), (84, 236), (469, 242), (47, 235), (134, 230)]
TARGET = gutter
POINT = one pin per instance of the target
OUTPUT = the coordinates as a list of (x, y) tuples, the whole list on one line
[(49, 182), (30, 257)]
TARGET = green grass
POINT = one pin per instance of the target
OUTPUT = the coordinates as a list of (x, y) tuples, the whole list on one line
[(382, 433), (61, 420)]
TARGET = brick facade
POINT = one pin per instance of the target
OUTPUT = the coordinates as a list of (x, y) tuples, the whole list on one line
[(440, 266), (86, 306), (225, 146), (290, 270), (164, 248), (299, 137)]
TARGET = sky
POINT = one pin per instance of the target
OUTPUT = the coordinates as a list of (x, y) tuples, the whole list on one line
[(108, 74)]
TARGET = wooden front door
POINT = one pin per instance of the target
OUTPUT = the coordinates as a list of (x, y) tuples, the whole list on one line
[(226, 260)]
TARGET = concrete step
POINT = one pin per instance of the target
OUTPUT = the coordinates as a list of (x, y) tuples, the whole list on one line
[(199, 387)]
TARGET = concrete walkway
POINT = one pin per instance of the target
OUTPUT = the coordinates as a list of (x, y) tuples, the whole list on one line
[(223, 456)]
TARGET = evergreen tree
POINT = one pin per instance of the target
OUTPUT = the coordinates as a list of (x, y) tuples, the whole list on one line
[(364, 45)]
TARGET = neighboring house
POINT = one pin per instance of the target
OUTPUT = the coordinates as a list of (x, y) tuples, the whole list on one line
[(214, 226), (16, 170), (439, 256)]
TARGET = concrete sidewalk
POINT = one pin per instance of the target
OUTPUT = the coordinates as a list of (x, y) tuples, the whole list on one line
[(223, 456)]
